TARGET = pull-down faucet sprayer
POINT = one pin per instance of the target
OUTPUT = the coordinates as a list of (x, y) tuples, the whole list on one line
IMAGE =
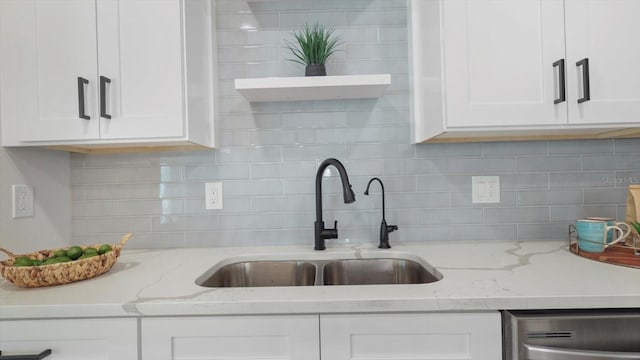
[(384, 228), (321, 234)]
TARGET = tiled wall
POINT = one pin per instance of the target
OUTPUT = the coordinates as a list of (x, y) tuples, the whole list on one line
[(269, 154)]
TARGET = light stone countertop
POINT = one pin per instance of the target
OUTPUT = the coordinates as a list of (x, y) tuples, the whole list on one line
[(478, 276)]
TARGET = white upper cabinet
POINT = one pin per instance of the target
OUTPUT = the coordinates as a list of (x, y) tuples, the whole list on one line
[(498, 57), (504, 69), (607, 33), (48, 47), (106, 72), (140, 49)]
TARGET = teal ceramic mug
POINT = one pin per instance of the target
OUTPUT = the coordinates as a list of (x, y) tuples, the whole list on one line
[(593, 234), (612, 222)]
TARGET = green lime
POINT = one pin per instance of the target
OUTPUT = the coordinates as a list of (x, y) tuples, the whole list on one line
[(86, 256), (23, 261), (104, 248), (60, 253), (74, 252), (90, 250)]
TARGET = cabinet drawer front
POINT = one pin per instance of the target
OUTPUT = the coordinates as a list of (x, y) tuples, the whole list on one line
[(236, 337), (71, 339), (412, 336)]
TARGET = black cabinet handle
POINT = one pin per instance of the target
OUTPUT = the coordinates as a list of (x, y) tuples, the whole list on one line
[(40, 356), (562, 94), (586, 89), (103, 97), (81, 83)]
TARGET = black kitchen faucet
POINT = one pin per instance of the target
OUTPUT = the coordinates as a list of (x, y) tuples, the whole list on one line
[(321, 234)]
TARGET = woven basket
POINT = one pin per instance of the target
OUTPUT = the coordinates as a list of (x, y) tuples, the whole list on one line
[(60, 273)]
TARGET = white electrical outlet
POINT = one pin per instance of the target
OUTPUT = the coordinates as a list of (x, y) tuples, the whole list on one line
[(213, 196), (22, 201), (485, 189)]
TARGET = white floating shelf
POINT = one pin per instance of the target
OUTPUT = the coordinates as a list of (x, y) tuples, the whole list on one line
[(313, 87)]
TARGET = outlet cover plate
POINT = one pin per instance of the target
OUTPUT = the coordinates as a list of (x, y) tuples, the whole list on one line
[(22, 204), (213, 196)]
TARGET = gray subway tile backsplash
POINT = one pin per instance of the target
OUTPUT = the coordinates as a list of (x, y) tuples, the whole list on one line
[(611, 162), (118, 224), (605, 196), (516, 215), (113, 192), (581, 147), (269, 153), (95, 208), (174, 223), (484, 232), (450, 216), (216, 172), (583, 179), (150, 207), (134, 175), (549, 163), (377, 17), (480, 165), (569, 213), (295, 169), (551, 197), (94, 176), (502, 148), (542, 231)]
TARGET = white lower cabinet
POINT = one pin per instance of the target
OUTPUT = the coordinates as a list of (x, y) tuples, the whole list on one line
[(441, 336), (393, 336), (292, 337), (71, 339)]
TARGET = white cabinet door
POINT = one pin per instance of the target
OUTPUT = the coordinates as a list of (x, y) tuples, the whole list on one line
[(443, 336), (71, 339), (140, 47), (607, 33), (46, 46), (231, 337), (499, 57), (134, 58)]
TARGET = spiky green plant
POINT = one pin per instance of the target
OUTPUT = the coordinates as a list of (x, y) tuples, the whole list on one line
[(314, 44)]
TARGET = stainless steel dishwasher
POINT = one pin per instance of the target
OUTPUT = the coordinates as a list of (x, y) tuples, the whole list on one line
[(571, 334)]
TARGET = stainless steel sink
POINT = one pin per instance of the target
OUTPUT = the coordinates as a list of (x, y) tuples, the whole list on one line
[(260, 273), (377, 272), (351, 271)]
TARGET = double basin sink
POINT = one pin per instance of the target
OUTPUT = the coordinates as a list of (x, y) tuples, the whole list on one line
[(260, 272)]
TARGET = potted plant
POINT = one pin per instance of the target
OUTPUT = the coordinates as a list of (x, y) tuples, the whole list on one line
[(314, 44)]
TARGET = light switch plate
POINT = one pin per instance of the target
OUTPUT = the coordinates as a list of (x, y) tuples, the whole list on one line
[(485, 189)]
